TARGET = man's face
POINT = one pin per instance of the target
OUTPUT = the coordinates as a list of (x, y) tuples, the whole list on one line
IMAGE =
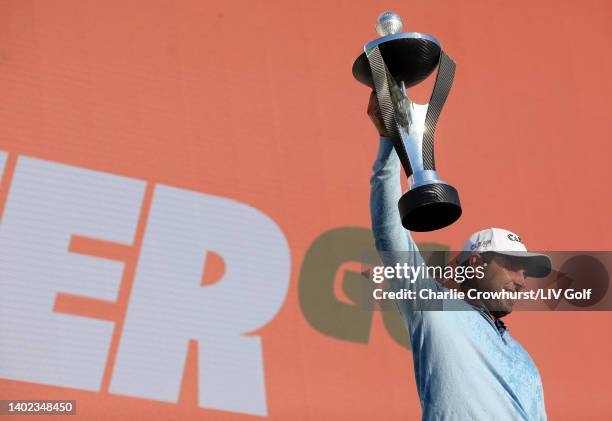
[(502, 273)]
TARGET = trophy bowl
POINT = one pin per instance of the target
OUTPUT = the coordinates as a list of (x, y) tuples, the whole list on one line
[(411, 57)]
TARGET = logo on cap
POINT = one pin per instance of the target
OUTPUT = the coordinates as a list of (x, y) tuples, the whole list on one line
[(514, 237), (481, 244)]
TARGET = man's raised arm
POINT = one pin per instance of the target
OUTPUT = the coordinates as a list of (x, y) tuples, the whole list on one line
[(393, 242), (385, 191), (389, 234)]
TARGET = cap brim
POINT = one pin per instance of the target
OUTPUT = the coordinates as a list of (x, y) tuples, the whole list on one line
[(536, 265)]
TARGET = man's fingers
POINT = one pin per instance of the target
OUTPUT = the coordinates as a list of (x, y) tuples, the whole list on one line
[(375, 114)]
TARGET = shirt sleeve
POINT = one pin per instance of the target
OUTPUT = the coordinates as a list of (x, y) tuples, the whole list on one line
[(394, 243), (385, 192)]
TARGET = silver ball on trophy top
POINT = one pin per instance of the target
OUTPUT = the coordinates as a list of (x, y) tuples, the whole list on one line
[(388, 23)]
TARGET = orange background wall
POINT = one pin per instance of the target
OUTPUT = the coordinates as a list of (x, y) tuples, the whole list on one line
[(254, 101)]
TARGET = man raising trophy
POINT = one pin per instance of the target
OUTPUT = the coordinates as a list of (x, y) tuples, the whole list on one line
[(467, 365)]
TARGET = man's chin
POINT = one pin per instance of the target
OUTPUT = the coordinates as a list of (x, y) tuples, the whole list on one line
[(501, 309), (499, 313)]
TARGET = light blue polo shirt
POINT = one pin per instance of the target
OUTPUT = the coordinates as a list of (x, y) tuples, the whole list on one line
[(467, 366)]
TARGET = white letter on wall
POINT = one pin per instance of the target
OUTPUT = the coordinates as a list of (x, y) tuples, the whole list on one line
[(47, 204), (168, 306)]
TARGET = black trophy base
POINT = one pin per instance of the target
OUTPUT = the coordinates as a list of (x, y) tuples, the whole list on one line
[(429, 207)]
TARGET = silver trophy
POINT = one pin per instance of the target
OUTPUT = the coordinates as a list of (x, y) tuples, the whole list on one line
[(389, 65)]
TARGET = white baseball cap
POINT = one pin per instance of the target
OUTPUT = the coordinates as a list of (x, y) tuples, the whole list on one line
[(506, 242)]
